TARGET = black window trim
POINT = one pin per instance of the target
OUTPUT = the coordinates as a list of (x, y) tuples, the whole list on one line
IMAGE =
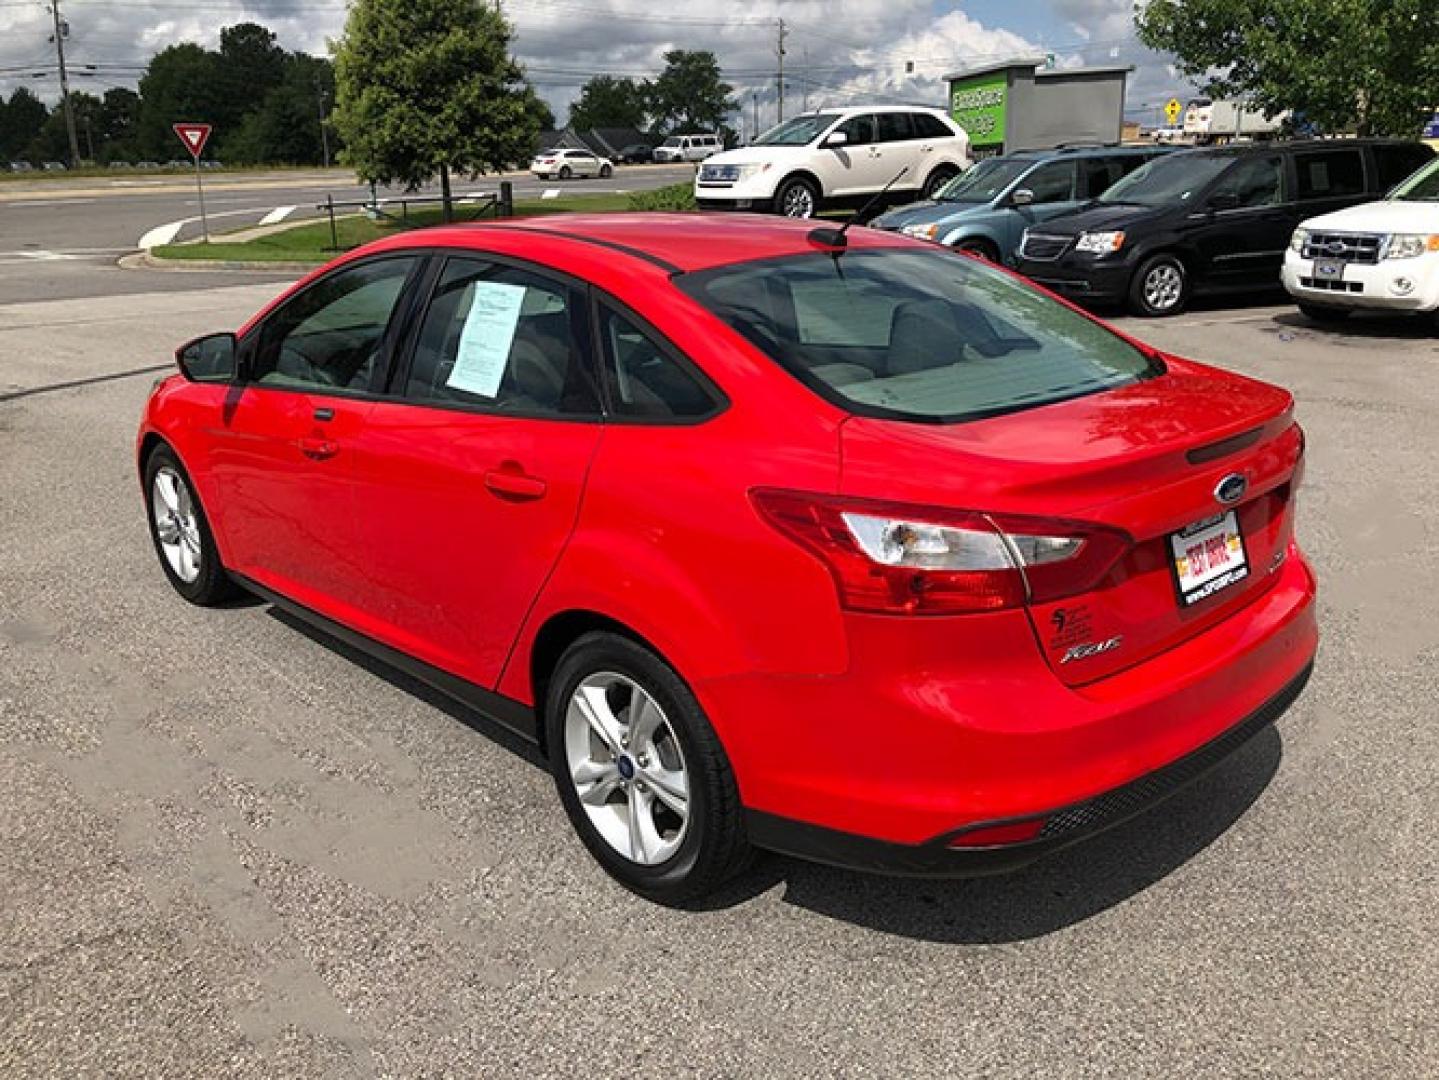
[(719, 400), (394, 388), (392, 337)]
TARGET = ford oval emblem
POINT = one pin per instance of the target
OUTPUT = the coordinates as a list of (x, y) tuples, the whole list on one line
[(1231, 489), (1336, 247)]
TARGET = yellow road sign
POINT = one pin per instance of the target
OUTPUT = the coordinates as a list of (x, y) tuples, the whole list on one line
[(1172, 109)]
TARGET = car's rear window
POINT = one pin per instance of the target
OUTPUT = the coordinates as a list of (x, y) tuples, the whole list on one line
[(916, 334)]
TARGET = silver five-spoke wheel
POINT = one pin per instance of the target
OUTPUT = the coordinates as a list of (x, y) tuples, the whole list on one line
[(627, 768), (1163, 286), (176, 525)]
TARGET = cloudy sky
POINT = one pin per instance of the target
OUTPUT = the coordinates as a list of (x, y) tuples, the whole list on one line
[(838, 50)]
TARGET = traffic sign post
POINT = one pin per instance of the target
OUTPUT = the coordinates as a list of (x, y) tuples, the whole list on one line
[(194, 136)]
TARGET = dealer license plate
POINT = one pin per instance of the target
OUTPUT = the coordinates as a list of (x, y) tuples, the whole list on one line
[(1208, 556)]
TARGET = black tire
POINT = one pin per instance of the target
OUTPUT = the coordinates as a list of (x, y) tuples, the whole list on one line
[(565, 172), (1322, 314), (983, 248), (941, 175), (212, 584), (794, 195), (606, 171), (1160, 287), (714, 847)]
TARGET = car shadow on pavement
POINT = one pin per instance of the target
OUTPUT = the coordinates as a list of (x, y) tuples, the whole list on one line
[(481, 724), (1068, 887), (1371, 327)]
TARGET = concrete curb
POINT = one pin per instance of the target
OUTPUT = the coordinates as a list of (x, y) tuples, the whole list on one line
[(143, 260)]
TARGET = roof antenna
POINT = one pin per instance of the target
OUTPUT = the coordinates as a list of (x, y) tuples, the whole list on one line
[(834, 240)]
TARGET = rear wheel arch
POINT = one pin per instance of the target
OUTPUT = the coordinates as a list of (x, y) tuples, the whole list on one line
[(553, 639)]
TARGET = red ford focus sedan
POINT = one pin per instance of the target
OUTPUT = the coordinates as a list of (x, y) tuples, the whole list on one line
[(848, 547)]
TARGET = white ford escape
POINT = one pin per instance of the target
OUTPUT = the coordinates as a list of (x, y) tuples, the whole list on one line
[(1381, 256), (836, 157)]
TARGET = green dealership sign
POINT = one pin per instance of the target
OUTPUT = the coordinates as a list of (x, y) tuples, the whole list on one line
[(977, 105)]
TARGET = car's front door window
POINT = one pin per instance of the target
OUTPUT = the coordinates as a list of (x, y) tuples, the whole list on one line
[(330, 337), (1051, 183)]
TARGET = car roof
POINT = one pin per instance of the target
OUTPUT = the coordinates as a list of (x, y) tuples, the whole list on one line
[(1280, 145), (1085, 152), (674, 243)]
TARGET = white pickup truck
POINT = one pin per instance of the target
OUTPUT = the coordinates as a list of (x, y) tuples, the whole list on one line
[(1380, 256)]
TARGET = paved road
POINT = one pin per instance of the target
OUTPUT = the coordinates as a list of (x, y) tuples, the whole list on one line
[(61, 238), (230, 848)]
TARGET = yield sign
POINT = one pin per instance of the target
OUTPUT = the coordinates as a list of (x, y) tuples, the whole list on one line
[(193, 136)]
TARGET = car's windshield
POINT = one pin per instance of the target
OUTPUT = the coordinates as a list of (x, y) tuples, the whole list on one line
[(1423, 186), (1174, 178), (797, 132), (916, 334), (984, 182)]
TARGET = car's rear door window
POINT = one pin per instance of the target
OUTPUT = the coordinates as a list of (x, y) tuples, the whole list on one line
[(646, 379), (502, 338), (916, 334), (331, 336)]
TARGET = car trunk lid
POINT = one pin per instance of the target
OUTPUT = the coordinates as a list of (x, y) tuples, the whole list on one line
[(1148, 459)]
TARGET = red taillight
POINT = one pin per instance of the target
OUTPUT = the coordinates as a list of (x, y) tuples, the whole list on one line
[(899, 559)]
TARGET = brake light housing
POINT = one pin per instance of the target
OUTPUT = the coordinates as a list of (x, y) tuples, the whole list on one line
[(902, 559)]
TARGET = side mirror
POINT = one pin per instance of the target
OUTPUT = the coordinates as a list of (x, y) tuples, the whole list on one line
[(836, 138), (209, 359), (1022, 197), (1224, 200)]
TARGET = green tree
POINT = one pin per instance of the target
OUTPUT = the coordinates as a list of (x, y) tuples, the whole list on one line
[(52, 143), (608, 101), (285, 128), (21, 119), (689, 94), (427, 87), (1368, 65), (120, 120), (180, 84)]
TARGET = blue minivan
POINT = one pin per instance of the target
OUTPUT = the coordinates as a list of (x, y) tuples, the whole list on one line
[(987, 209)]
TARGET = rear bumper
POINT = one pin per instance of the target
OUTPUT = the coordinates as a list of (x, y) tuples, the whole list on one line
[(943, 726), (1062, 826), (1078, 277)]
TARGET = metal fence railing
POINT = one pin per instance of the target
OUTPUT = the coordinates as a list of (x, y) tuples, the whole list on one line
[(476, 205)]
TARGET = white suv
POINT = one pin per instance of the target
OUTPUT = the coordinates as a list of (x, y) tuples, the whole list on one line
[(1381, 256), (835, 157), (688, 147)]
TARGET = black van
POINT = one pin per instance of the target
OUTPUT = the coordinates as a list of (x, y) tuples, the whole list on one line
[(1207, 220)]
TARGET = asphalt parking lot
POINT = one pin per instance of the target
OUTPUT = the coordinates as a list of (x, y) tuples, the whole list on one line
[(229, 847)]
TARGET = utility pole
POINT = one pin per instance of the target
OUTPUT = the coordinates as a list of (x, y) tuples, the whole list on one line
[(754, 102), (804, 79), (61, 29), (324, 131), (779, 50)]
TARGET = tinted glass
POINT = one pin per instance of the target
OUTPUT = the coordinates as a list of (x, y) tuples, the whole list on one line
[(1173, 178), (1330, 173), (1051, 183), (501, 338), (644, 379), (930, 127), (923, 335), (858, 130), (1096, 174), (1255, 181), (984, 182), (1422, 187), (1398, 163), (330, 336), (797, 132), (895, 127)]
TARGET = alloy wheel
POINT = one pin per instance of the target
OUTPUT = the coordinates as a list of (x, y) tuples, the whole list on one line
[(177, 526), (1163, 287), (798, 202), (627, 768)]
